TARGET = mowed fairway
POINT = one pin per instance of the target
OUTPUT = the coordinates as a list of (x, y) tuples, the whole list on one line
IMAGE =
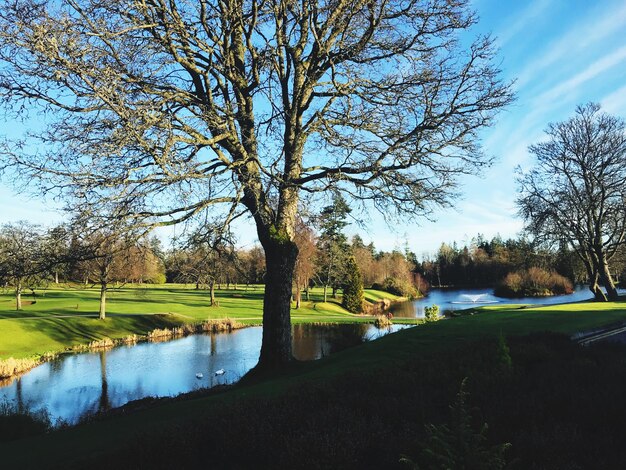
[(61, 318)]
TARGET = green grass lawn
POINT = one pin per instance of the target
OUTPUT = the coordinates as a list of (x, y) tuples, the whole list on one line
[(390, 355), (66, 317)]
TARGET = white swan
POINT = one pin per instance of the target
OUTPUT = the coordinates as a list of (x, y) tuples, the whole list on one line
[(220, 372), (199, 375)]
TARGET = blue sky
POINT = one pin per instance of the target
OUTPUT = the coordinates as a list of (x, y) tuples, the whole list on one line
[(560, 52)]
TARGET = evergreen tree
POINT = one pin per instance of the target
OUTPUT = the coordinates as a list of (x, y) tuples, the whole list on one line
[(353, 288), (332, 245)]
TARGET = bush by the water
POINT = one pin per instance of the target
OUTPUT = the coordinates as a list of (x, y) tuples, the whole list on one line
[(534, 282), (16, 423), (432, 313), (397, 286)]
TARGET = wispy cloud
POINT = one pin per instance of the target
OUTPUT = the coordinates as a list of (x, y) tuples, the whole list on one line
[(599, 66), (615, 103), (530, 14), (586, 33)]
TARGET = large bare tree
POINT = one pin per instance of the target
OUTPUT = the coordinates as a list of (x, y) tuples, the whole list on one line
[(576, 192), (168, 109)]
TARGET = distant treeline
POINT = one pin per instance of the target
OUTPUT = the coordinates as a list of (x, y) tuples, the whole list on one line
[(485, 263)]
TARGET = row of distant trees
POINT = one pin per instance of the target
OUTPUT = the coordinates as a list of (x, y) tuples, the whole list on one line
[(483, 262), (31, 257)]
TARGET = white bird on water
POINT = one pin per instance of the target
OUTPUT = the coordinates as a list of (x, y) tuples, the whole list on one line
[(220, 372), (199, 375)]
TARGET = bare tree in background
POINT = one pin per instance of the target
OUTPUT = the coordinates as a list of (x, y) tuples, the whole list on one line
[(576, 193), (23, 262), (107, 257), (305, 262), (203, 261), (163, 111)]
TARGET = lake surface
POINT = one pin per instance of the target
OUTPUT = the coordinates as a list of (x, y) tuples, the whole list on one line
[(459, 299), (75, 385)]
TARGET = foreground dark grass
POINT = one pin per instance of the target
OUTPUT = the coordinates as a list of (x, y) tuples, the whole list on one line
[(559, 405)]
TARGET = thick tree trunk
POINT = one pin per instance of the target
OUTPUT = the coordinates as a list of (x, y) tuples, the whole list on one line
[(607, 282), (594, 287), (280, 257), (103, 300), (56, 277), (325, 292)]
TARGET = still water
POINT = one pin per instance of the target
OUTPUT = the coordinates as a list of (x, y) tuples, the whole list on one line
[(458, 299), (75, 385)]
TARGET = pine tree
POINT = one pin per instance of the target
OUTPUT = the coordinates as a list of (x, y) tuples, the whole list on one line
[(332, 245), (353, 289)]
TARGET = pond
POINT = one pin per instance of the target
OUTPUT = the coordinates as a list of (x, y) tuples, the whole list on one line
[(459, 299), (76, 385)]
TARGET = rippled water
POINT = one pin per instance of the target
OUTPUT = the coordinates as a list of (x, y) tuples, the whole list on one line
[(78, 384)]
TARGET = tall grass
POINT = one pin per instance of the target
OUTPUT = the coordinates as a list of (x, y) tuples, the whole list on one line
[(16, 423), (208, 326), (10, 367), (382, 321)]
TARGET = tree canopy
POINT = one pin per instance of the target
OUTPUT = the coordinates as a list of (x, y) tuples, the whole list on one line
[(576, 193), (163, 111)]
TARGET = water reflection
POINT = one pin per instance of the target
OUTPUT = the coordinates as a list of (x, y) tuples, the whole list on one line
[(315, 341), (104, 403), (78, 384)]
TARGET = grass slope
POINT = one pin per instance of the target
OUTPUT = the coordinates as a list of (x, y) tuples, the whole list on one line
[(389, 366)]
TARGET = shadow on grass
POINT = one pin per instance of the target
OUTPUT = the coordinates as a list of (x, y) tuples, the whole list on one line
[(80, 331)]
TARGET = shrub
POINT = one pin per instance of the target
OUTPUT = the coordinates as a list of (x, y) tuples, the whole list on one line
[(533, 282), (16, 423), (458, 444), (503, 355), (397, 286), (382, 321), (432, 313)]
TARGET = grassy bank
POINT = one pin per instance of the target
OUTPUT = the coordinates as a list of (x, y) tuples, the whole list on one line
[(556, 402), (62, 318)]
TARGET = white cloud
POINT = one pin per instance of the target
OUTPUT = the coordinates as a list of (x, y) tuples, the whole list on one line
[(599, 66), (587, 33), (530, 14), (615, 103)]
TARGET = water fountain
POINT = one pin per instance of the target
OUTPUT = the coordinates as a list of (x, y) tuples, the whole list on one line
[(474, 299)]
